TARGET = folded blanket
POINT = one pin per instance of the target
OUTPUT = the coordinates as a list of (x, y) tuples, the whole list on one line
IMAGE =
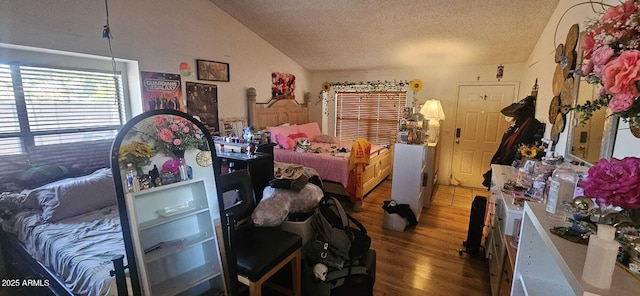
[(358, 161)]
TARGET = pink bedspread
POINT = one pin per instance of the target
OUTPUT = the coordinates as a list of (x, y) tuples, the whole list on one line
[(330, 167)]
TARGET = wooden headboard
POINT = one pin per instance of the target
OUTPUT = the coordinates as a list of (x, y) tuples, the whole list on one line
[(276, 112)]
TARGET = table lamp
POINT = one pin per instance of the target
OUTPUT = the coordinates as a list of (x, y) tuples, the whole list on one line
[(432, 111)]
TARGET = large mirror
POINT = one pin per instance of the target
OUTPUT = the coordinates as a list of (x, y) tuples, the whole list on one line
[(589, 141)]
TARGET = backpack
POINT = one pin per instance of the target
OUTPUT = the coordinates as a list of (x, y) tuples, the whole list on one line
[(335, 240)]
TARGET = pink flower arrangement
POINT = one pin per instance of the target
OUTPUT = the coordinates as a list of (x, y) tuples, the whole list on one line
[(172, 133), (171, 166), (612, 47), (615, 182)]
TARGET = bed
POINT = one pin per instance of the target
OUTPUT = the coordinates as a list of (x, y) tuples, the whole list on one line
[(332, 167), (62, 237)]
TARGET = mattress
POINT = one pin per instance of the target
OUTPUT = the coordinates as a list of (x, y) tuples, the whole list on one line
[(78, 249), (331, 165)]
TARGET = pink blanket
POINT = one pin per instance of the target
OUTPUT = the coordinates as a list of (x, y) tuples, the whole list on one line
[(330, 167)]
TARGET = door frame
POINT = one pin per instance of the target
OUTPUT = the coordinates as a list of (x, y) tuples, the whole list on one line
[(516, 90)]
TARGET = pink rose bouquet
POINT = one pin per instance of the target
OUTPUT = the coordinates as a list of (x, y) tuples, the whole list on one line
[(612, 47), (173, 133), (615, 182)]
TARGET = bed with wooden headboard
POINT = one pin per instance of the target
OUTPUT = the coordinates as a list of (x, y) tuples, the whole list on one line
[(288, 111)]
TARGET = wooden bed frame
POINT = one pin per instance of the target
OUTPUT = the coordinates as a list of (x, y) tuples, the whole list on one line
[(277, 112)]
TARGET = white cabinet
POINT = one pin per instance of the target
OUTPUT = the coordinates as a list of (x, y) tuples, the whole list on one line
[(547, 264), (503, 220), (412, 183)]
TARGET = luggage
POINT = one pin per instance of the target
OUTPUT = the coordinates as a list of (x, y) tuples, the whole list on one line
[(354, 279), (476, 225)]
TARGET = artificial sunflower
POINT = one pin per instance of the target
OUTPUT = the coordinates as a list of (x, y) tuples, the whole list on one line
[(326, 86), (528, 152), (416, 85)]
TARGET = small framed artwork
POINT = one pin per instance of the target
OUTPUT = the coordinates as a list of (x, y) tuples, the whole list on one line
[(212, 70)]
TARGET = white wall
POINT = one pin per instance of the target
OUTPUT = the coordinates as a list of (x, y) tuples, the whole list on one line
[(159, 35)]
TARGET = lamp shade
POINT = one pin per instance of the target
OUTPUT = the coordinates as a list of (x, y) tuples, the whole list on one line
[(432, 110)]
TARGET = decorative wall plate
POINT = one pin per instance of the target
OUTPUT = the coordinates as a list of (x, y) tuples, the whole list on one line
[(568, 63), (567, 95), (203, 158), (560, 123), (559, 52), (558, 80), (634, 127), (572, 39), (554, 109)]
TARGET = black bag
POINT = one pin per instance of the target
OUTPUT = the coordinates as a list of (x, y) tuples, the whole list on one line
[(355, 279), (335, 241)]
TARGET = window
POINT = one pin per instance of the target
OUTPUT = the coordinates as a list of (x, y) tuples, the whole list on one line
[(55, 116), (371, 115)]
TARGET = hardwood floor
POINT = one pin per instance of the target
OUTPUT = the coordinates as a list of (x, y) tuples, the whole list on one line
[(424, 260)]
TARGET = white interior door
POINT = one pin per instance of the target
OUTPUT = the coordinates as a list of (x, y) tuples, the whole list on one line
[(479, 130)]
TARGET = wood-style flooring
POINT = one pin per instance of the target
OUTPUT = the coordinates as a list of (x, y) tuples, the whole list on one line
[(424, 260)]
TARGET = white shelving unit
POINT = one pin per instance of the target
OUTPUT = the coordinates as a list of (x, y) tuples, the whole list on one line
[(547, 264), (173, 231)]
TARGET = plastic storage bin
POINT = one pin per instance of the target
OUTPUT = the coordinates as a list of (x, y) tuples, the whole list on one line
[(301, 228), (394, 222)]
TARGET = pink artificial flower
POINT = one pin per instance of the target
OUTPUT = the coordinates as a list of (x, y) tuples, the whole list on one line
[(160, 120), (621, 102), (615, 182), (620, 74), (588, 44), (185, 129), (620, 12), (165, 135), (588, 67), (198, 136), (171, 166), (177, 142), (600, 58), (174, 127)]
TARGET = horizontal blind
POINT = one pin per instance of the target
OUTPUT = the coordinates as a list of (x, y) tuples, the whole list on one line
[(372, 115), (57, 117)]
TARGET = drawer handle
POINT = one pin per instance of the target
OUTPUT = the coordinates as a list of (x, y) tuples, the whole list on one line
[(499, 219), (507, 280)]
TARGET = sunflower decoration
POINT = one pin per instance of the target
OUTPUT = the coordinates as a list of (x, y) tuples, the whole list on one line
[(532, 151), (136, 153), (416, 85), (326, 86)]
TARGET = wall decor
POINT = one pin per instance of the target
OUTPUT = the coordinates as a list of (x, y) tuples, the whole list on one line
[(185, 69), (212, 70), (283, 86), (162, 91), (202, 101)]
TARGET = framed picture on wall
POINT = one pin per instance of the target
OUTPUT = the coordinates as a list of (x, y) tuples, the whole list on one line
[(212, 70)]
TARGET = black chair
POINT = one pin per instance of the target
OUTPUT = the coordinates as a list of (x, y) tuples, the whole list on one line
[(259, 251)]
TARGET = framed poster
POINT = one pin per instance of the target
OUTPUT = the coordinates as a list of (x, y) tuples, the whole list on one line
[(283, 86), (212, 70), (202, 101), (162, 91)]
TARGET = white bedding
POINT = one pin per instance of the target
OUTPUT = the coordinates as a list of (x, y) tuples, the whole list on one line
[(79, 249)]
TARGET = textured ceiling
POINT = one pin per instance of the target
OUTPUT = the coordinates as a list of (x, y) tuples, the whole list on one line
[(383, 34)]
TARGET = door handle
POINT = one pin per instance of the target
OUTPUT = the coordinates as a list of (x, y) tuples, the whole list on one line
[(457, 135)]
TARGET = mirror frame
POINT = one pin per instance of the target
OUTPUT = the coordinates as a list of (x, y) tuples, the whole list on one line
[(609, 130)]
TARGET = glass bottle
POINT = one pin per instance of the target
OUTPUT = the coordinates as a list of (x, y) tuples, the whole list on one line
[(561, 188), (131, 179), (182, 167)]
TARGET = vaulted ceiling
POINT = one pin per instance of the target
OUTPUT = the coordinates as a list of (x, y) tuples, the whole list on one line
[(385, 34)]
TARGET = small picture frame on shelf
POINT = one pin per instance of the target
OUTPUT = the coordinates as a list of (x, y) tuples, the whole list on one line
[(212, 70)]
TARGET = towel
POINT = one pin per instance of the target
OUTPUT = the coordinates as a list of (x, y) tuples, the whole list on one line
[(358, 161)]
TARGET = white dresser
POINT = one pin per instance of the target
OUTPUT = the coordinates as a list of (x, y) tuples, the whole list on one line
[(504, 219), (547, 264), (414, 173)]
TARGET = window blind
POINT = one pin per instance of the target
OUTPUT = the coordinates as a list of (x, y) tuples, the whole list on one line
[(53, 116), (372, 115)]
